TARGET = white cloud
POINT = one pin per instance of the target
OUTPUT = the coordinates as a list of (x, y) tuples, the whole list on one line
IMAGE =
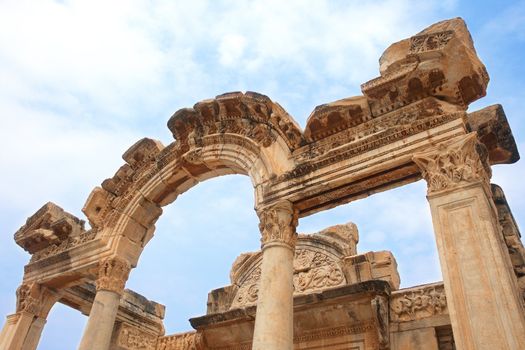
[(231, 49), (81, 81)]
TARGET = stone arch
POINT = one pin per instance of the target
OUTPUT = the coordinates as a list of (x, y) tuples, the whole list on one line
[(234, 133)]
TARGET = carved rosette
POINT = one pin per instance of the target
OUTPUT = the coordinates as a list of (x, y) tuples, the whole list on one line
[(449, 166), (277, 225), (113, 274)]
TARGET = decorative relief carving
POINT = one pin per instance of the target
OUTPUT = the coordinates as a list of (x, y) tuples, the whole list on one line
[(277, 224), (418, 303), (331, 152), (313, 271), (69, 243), (133, 338), (449, 166), (28, 298), (243, 346), (113, 274), (184, 341), (430, 42), (361, 327), (251, 115), (249, 290)]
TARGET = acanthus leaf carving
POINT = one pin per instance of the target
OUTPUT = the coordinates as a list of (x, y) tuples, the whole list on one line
[(277, 224), (28, 298), (449, 166), (112, 275)]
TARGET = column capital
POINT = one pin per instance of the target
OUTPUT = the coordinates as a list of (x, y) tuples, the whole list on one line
[(28, 297), (455, 164), (113, 273), (277, 225)]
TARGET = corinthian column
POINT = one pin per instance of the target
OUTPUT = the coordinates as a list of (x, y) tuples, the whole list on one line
[(274, 318), (112, 276), (484, 305), (22, 330)]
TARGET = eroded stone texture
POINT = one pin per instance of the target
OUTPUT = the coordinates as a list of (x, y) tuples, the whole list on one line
[(511, 236), (493, 130), (305, 291)]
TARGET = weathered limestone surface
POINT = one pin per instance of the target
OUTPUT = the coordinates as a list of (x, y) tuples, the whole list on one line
[(486, 307), (306, 291)]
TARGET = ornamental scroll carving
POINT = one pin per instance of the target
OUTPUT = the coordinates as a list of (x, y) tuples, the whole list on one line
[(315, 271), (277, 224), (312, 271), (463, 161), (134, 339), (184, 341), (430, 42), (419, 303), (113, 274)]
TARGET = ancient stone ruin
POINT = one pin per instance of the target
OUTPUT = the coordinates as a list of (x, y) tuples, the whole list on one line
[(305, 291)]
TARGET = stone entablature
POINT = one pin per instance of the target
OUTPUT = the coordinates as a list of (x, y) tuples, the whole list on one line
[(311, 290), (350, 148)]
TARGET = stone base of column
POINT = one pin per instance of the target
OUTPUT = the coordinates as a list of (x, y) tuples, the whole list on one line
[(15, 330)]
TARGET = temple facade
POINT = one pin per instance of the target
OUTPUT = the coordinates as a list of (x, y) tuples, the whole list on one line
[(305, 291)]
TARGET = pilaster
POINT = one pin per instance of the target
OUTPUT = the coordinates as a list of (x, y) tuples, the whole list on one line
[(485, 310)]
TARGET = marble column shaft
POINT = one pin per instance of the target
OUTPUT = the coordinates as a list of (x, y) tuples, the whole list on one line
[(274, 318), (113, 274)]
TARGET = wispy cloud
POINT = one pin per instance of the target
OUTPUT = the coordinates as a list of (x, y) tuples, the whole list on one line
[(80, 81)]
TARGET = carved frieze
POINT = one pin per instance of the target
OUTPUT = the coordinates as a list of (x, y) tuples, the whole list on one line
[(361, 327), (417, 303), (133, 338), (184, 341), (112, 274), (430, 42), (69, 243), (449, 166), (277, 224)]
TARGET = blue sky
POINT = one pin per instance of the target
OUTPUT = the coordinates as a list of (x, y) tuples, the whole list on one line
[(81, 81)]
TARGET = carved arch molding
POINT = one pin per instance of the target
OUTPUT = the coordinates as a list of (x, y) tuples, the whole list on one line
[(349, 149)]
